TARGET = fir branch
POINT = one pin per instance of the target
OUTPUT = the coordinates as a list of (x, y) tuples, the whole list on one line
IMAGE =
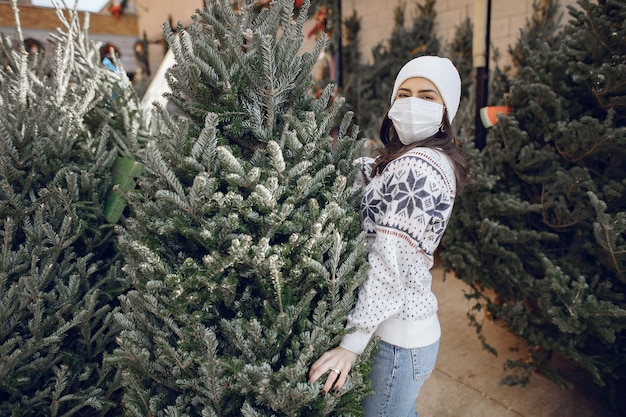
[(23, 77), (276, 156), (158, 164), (204, 149), (608, 230), (229, 161)]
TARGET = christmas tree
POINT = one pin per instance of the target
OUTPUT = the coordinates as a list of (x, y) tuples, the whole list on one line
[(539, 234), (352, 60), (459, 50), (243, 241), (65, 119)]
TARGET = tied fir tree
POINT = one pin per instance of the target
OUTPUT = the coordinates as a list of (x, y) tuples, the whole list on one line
[(59, 270), (539, 235), (243, 243)]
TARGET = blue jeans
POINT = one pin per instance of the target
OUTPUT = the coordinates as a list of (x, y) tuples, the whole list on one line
[(397, 376)]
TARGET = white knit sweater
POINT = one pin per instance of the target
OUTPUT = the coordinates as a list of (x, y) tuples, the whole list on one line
[(405, 211)]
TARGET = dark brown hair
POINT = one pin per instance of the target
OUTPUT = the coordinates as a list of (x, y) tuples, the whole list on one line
[(443, 141)]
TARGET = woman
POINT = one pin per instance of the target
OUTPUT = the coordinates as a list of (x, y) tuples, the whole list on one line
[(409, 191)]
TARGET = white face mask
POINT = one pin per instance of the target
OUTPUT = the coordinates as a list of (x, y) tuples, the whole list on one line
[(415, 119)]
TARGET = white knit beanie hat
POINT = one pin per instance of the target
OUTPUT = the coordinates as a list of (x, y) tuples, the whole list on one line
[(441, 72)]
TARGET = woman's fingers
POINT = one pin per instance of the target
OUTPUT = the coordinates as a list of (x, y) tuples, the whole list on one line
[(319, 368), (336, 379), (337, 363)]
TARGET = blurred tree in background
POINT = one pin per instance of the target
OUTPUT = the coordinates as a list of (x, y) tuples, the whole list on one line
[(539, 234), (407, 41)]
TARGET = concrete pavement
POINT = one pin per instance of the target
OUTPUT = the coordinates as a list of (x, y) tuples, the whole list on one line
[(466, 380)]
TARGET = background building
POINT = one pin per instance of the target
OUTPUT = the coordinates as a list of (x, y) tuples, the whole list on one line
[(507, 18), (39, 22), (140, 23)]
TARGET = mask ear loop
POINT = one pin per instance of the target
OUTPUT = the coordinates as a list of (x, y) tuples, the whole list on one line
[(442, 128)]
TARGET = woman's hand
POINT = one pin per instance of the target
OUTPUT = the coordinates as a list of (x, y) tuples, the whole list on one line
[(337, 362)]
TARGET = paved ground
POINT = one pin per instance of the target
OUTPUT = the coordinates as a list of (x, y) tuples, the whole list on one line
[(466, 380)]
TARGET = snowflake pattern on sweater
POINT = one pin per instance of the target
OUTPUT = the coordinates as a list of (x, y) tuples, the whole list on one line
[(405, 211), (411, 197)]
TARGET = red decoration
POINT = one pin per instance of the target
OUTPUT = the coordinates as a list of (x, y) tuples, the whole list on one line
[(320, 22), (117, 8)]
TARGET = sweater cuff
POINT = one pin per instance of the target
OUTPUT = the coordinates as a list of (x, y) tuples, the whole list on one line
[(356, 342)]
